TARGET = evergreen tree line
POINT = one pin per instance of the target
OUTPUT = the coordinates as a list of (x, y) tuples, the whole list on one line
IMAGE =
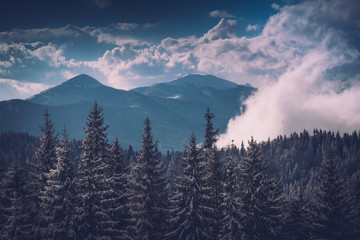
[(301, 187)]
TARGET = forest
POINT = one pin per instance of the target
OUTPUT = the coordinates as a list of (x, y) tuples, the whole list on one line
[(302, 186)]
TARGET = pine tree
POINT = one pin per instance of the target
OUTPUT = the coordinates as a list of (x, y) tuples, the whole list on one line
[(93, 185), (298, 218), (148, 190), (58, 195), (117, 205), (16, 205), (45, 156), (331, 200), (214, 178), (276, 205), (189, 216), (210, 134), (230, 224), (255, 194)]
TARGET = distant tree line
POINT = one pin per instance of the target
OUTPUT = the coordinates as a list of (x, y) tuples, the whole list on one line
[(296, 187)]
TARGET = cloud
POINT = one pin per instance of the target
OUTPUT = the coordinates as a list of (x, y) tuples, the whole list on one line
[(103, 3), (275, 6), (224, 29), (10, 89), (252, 27), (312, 39), (220, 14), (126, 26), (40, 34), (150, 25)]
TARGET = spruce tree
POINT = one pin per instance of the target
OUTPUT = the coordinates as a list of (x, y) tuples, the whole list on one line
[(212, 181), (276, 205), (117, 205), (45, 156), (231, 222), (298, 218), (331, 200), (148, 190), (59, 194), (93, 185), (16, 205), (255, 194), (189, 217)]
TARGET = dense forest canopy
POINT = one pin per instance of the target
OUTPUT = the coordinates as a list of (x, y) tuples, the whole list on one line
[(302, 186)]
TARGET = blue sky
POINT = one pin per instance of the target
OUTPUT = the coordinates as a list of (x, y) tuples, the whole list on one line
[(44, 43)]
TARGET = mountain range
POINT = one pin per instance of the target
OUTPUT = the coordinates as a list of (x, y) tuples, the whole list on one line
[(176, 109)]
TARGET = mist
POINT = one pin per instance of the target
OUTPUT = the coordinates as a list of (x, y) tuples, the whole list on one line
[(316, 89)]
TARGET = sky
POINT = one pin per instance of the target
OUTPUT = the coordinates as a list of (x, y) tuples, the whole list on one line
[(303, 56)]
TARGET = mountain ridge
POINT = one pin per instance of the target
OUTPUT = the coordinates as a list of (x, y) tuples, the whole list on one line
[(173, 118)]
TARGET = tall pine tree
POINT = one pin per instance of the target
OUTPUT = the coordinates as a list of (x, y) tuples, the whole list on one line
[(212, 181), (117, 204), (59, 194), (45, 156), (231, 222), (331, 200), (148, 190), (254, 198), (189, 216), (93, 185)]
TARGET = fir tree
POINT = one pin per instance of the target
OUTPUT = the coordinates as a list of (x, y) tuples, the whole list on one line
[(16, 205), (210, 133), (298, 218), (45, 156), (331, 200), (117, 205), (254, 198), (93, 185), (276, 205), (230, 224), (58, 196), (149, 190), (214, 178), (189, 216)]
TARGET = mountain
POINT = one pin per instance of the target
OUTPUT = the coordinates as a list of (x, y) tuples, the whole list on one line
[(175, 108)]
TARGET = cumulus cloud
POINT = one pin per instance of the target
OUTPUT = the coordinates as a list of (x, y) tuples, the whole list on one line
[(220, 14), (10, 88), (311, 38), (252, 27)]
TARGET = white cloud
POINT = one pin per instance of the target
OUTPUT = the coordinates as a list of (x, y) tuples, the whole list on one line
[(310, 38), (126, 26), (275, 6), (220, 14), (252, 27), (10, 89)]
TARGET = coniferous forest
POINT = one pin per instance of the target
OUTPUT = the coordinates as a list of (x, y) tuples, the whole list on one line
[(302, 186)]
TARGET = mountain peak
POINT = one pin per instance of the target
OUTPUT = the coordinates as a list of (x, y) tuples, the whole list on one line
[(82, 81), (204, 81)]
